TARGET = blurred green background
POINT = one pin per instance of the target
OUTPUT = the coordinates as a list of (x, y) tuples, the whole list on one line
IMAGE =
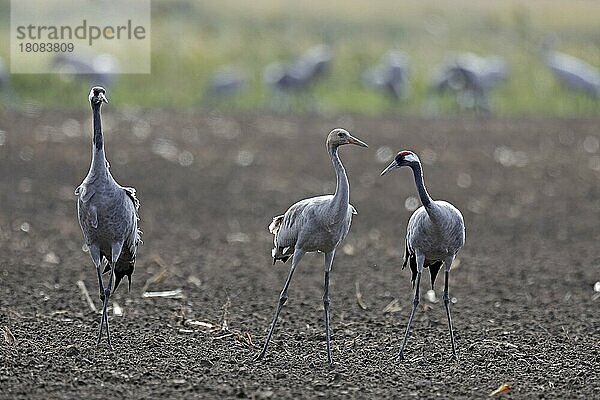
[(193, 39)]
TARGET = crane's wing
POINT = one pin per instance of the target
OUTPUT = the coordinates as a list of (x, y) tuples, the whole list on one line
[(85, 192), (278, 253), (86, 211), (126, 261), (286, 228), (130, 192), (416, 223)]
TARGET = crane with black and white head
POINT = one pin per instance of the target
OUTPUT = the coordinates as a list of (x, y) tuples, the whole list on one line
[(435, 233), (108, 216), (315, 224)]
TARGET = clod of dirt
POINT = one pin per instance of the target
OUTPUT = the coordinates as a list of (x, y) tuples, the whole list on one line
[(72, 351), (206, 363), (504, 388), (9, 338), (263, 394)]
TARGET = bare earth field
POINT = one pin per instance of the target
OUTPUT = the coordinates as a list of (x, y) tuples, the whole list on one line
[(526, 313)]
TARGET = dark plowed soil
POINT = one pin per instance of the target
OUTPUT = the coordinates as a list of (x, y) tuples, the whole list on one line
[(525, 310)]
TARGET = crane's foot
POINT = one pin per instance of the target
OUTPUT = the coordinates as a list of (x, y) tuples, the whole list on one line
[(400, 356), (105, 295), (259, 357)]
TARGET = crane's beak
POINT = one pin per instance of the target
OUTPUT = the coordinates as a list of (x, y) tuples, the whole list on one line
[(390, 167), (102, 98), (358, 142)]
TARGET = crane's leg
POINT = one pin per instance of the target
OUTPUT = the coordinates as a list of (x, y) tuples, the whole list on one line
[(95, 255), (447, 265), (328, 263), (416, 299), (298, 254), (115, 253)]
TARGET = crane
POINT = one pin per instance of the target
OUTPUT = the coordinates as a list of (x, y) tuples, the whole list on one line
[(471, 78), (315, 224), (108, 216), (434, 235), (227, 80), (299, 74), (297, 77), (390, 76), (100, 68), (574, 73)]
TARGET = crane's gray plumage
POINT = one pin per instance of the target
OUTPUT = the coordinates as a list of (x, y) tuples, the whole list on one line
[(298, 75), (471, 78), (434, 235), (390, 76), (98, 68), (226, 81), (316, 224), (304, 218), (574, 73), (108, 215)]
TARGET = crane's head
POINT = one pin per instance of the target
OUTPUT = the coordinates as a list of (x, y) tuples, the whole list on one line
[(98, 96), (404, 158), (339, 136)]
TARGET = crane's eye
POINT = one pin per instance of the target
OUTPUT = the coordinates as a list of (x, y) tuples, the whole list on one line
[(340, 134)]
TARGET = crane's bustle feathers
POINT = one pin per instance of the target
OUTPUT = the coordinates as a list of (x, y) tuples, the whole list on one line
[(275, 224)]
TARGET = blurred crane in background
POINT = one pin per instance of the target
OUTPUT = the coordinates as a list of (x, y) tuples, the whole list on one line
[(6, 94), (3, 75), (471, 78), (99, 69), (297, 76), (390, 76), (226, 81), (574, 73)]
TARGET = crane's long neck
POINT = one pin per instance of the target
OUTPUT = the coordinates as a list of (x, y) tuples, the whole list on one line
[(98, 156), (420, 183), (341, 198)]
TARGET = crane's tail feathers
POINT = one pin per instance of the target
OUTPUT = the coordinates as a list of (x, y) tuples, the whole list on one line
[(433, 271), (275, 224), (279, 252), (138, 238), (131, 193), (406, 255), (124, 266), (282, 253), (353, 209)]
